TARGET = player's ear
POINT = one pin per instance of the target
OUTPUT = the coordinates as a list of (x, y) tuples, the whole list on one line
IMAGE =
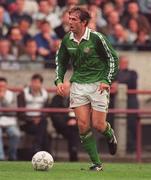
[(84, 23)]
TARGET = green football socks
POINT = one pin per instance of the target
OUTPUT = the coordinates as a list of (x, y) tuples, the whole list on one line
[(108, 133), (90, 147)]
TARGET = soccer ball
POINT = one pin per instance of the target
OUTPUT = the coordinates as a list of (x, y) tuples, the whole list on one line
[(42, 160)]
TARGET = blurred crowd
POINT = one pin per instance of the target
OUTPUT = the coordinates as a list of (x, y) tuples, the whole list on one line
[(31, 30)]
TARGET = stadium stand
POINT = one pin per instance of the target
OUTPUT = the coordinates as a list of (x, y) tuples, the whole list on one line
[(22, 53)]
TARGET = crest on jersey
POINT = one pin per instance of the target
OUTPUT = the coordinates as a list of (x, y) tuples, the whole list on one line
[(86, 50)]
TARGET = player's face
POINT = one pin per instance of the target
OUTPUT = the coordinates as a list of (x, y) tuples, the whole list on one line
[(75, 23)]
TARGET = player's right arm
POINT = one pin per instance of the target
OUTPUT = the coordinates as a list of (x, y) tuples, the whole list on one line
[(62, 59)]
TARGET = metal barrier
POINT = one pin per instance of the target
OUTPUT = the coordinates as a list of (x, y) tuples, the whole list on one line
[(115, 111)]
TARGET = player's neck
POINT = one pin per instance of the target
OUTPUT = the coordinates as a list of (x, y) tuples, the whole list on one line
[(78, 35)]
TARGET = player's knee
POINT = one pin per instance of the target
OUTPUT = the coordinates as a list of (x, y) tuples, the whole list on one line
[(83, 127), (99, 126)]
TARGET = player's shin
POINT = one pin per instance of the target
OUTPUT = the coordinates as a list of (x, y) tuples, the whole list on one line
[(111, 139), (90, 147)]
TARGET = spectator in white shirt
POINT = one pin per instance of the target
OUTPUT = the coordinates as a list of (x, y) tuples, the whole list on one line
[(8, 122)]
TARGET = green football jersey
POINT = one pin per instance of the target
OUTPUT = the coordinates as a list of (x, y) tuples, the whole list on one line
[(93, 59)]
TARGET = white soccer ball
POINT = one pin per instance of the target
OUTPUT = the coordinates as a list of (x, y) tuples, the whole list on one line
[(42, 160)]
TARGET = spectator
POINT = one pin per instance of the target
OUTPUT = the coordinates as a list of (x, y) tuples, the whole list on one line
[(120, 6), (119, 37), (96, 16), (16, 39), (35, 96), (31, 59), (46, 41), (35, 28), (29, 7), (6, 17), (18, 11), (64, 27), (145, 8), (143, 41), (54, 8), (24, 27), (50, 16), (8, 122), (129, 77), (108, 7), (132, 30), (133, 12), (3, 26), (71, 3), (113, 20), (7, 60), (66, 125), (114, 90)]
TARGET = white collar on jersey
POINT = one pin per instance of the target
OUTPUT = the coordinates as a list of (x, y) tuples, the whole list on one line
[(85, 36)]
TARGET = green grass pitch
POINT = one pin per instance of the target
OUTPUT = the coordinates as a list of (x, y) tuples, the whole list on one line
[(71, 171)]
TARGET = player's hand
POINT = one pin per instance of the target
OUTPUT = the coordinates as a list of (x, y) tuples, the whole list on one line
[(60, 89), (63, 89), (103, 86)]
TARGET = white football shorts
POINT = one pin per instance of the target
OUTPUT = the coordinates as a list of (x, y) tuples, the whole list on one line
[(82, 94)]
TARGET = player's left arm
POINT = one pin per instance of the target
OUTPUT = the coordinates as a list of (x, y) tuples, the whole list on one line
[(109, 55)]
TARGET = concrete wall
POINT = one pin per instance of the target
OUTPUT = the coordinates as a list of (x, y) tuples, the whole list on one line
[(139, 61)]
